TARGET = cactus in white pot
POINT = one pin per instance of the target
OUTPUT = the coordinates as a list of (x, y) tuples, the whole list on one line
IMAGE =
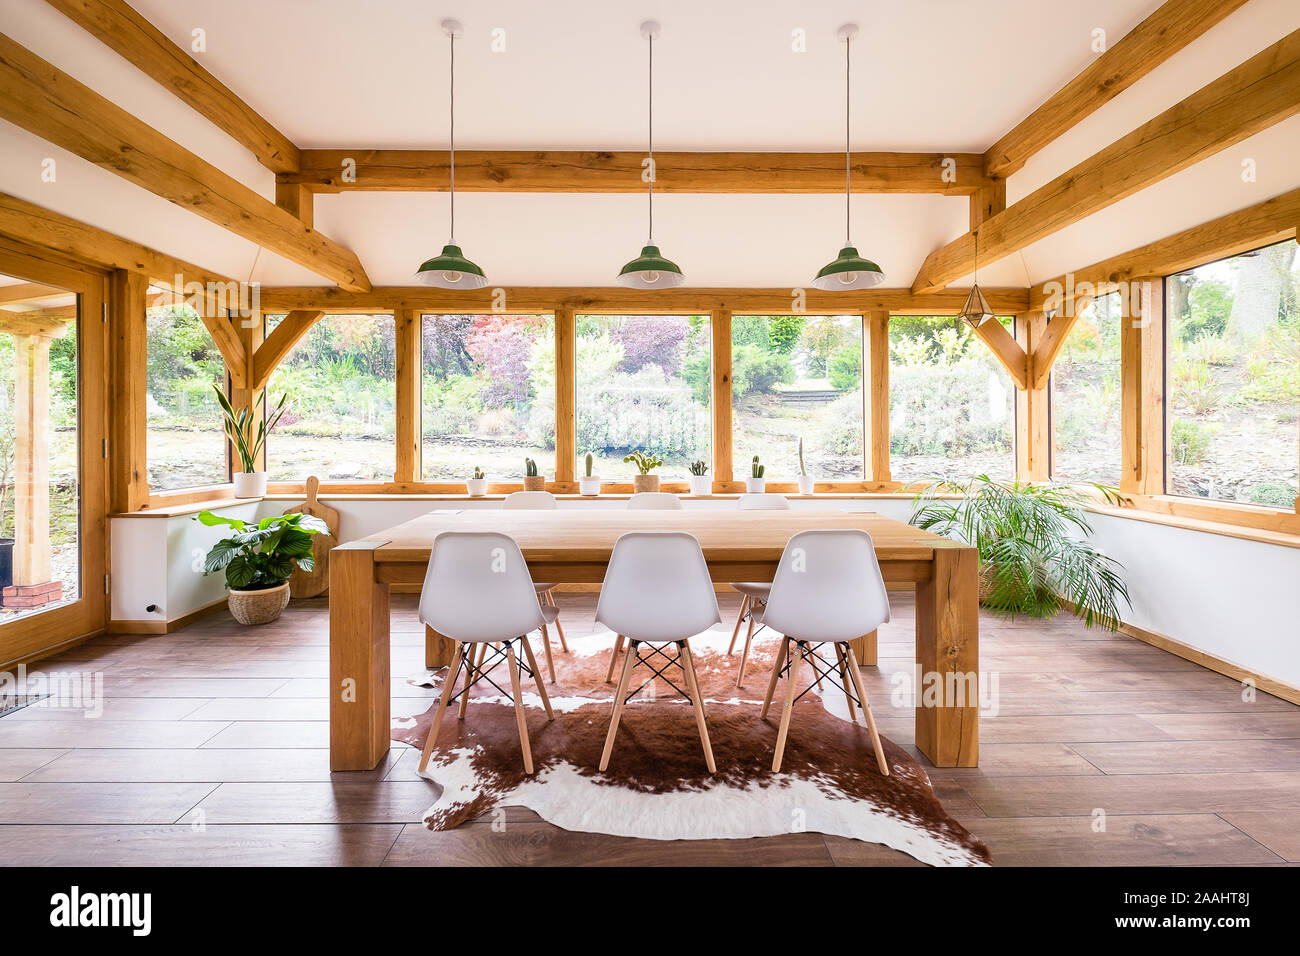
[(701, 483), (756, 483), (477, 485), (588, 483)]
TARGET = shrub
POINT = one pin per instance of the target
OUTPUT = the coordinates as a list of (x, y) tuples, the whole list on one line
[(845, 369), (842, 429), (1189, 441), (1275, 494), (651, 340), (757, 370)]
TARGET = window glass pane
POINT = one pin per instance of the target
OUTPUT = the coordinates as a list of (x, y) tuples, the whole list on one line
[(951, 404), (40, 464), (185, 441), (797, 376), (489, 395), (644, 381), (1086, 397), (1233, 346), (341, 383)]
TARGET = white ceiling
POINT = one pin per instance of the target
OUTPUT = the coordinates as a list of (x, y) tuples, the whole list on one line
[(573, 76)]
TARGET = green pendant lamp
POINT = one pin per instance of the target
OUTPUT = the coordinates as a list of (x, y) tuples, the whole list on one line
[(976, 311), (651, 270), (450, 269), (848, 270)]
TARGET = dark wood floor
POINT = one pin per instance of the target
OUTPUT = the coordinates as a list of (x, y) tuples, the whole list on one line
[(212, 750)]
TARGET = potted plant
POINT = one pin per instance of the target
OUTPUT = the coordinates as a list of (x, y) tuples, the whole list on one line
[(701, 483), (755, 484), (477, 485), (807, 483), (589, 484), (1032, 539), (258, 560), (643, 480), (533, 481), (248, 444)]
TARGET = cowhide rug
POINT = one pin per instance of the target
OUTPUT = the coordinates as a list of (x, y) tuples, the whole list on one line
[(657, 786)]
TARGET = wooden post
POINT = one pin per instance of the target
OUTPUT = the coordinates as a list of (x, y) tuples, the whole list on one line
[(566, 397), (947, 659), (359, 666), (251, 330), (1033, 416), (875, 411), (409, 404), (128, 475), (1142, 397), (32, 586), (721, 333), (987, 201)]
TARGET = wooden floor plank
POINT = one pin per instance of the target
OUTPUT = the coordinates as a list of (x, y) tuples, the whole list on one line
[(79, 804), (1280, 832)]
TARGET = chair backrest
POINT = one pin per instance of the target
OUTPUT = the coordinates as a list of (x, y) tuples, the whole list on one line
[(763, 503), (477, 588), (654, 501), (657, 588), (530, 501), (828, 587)]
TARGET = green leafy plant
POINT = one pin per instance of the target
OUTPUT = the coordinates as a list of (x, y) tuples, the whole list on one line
[(1032, 540), (589, 462), (262, 555), (644, 463), (698, 468), (530, 468), (757, 469), (247, 441), (479, 473), (802, 470)]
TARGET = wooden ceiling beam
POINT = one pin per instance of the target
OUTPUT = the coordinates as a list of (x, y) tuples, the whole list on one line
[(422, 170), (279, 343), (1244, 101), (1171, 27), (1006, 350), (119, 27), (30, 292), (50, 322), (45, 101)]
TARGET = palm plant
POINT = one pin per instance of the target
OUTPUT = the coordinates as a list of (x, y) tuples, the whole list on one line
[(1032, 543), (247, 442)]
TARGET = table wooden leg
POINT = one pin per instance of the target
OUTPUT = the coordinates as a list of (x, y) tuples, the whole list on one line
[(865, 649), (947, 659), (437, 649), (360, 726)]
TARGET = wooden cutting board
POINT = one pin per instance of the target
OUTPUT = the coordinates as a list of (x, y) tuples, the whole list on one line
[(314, 582)]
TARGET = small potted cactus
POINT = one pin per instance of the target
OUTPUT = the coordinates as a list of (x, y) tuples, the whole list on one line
[(701, 483), (477, 486), (755, 484), (807, 483), (589, 484), (643, 480), (533, 479)]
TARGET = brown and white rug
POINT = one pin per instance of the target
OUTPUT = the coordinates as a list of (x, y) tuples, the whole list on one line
[(657, 786)]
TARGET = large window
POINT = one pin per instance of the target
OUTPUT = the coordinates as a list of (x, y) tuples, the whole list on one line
[(1086, 388), (644, 381), (1233, 367), (797, 376), (185, 442), (340, 381), (951, 405), (489, 395)]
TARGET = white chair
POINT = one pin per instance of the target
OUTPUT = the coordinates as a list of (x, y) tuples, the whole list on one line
[(541, 501), (478, 592), (754, 593), (657, 592), (828, 590), (654, 501)]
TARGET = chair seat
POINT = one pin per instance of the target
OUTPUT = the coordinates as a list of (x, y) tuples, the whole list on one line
[(754, 589), (542, 588)]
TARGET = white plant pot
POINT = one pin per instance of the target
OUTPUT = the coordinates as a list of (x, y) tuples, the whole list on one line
[(755, 486), (589, 486), (477, 487), (807, 483), (250, 484), (701, 485)]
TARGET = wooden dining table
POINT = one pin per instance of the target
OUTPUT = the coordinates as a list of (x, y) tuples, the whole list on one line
[(570, 546)]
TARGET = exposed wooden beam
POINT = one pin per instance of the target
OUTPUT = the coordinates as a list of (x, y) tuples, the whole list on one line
[(121, 28), (37, 322), (279, 343), (1171, 27), (45, 101), (1048, 345), (226, 338), (1246, 100), (127, 393), (585, 171), (1033, 408), (1006, 350), (1142, 394), (616, 299), (720, 326), (987, 202), (29, 292), (298, 201), (566, 395), (408, 418), (875, 395)]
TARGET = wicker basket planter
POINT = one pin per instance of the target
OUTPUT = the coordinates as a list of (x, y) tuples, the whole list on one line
[(643, 483), (535, 483), (259, 607)]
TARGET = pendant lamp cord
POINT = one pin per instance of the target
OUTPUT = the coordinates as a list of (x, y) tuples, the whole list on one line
[(650, 137), (452, 87), (848, 232)]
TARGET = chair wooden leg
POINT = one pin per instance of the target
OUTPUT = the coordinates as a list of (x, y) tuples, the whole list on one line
[(697, 701), (453, 671), (628, 663), (559, 628), (844, 680), (790, 691), (776, 672), (613, 658), (744, 655), (546, 646), (537, 677), (744, 606), (881, 762), (513, 663), (473, 663)]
